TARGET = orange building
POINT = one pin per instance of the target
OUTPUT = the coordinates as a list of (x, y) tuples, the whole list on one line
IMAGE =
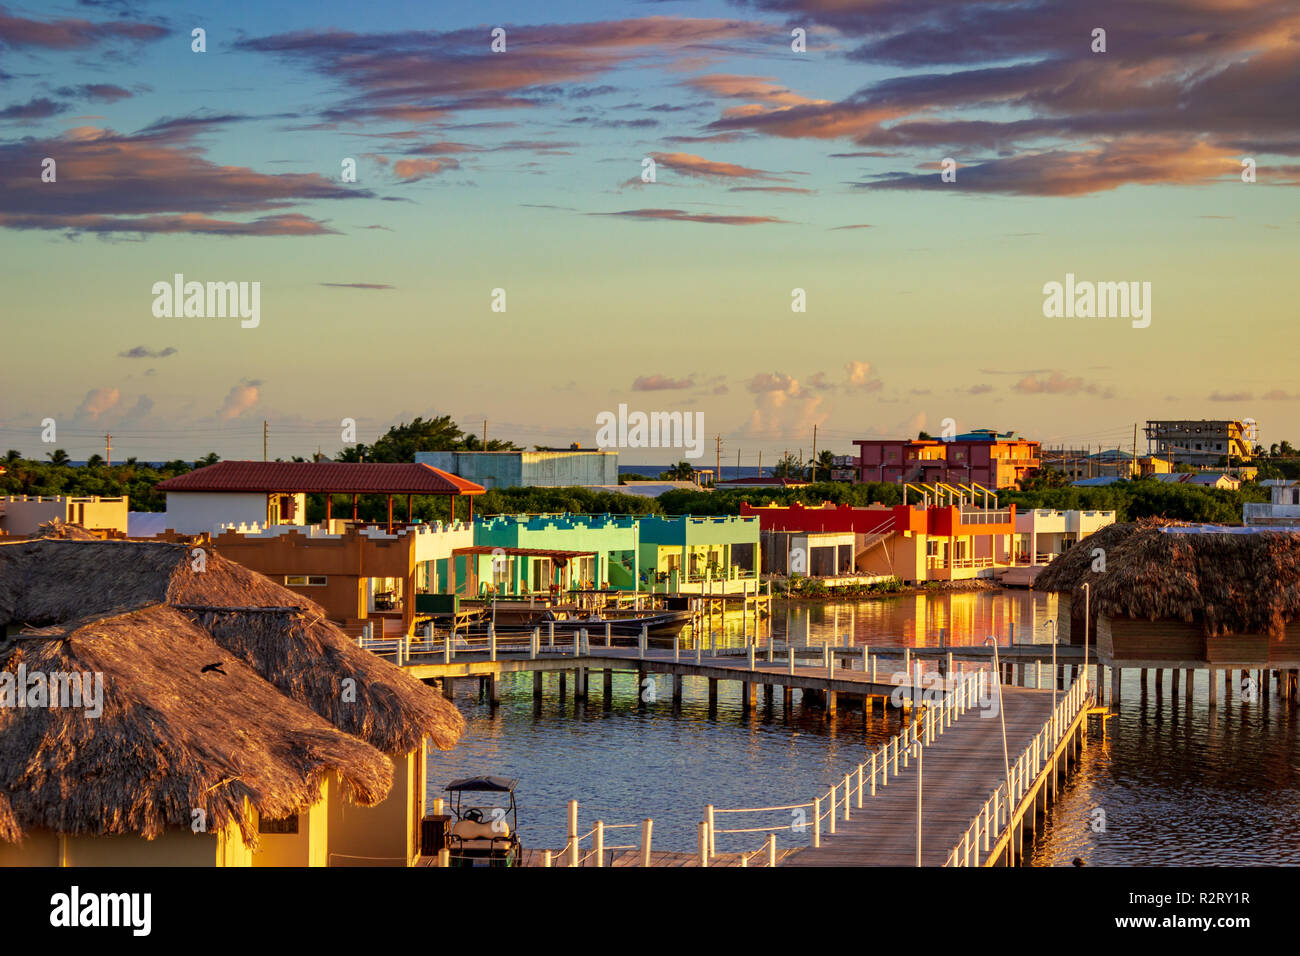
[(984, 457)]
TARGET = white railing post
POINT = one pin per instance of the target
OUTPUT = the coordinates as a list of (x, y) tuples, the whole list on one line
[(642, 641), (848, 788), (859, 786), (751, 657), (446, 648), (492, 642), (834, 804), (789, 653), (771, 844), (609, 637), (647, 831), (573, 833), (708, 818), (599, 843), (677, 647), (704, 843), (546, 858), (817, 822), (550, 634), (873, 773)]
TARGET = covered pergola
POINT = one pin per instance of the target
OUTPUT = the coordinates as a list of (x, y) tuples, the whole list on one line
[(561, 558), (329, 478)]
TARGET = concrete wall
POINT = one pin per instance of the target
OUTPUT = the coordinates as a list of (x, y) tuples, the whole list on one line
[(308, 847), (173, 848), (386, 834), (193, 512)]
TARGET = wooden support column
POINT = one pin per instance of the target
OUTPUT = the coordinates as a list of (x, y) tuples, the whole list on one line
[(493, 696), (390, 514), (1190, 676), (1142, 681), (449, 687), (640, 687), (579, 684), (564, 677), (408, 508), (1115, 681), (329, 509), (747, 693), (787, 699), (1160, 683), (1173, 682), (713, 696), (537, 685), (354, 507), (608, 689), (1227, 685), (830, 704), (677, 691), (1214, 687)]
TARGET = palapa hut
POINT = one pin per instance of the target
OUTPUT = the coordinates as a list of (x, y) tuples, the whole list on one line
[(298, 748), (1166, 594)]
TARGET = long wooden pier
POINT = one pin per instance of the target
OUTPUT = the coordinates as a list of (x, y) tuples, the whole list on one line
[(976, 796)]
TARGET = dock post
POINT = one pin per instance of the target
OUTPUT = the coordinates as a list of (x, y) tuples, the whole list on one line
[(771, 849), (830, 704), (537, 686), (873, 773), (834, 803), (598, 850), (492, 642), (708, 819), (713, 695), (866, 660), (1115, 682), (746, 697), (546, 858), (577, 643), (564, 678), (787, 700), (550, 633), (449, 687), (677, 691), (1160, 684), (609, 639), (751, 657), (830, 662), (642, 641), (907, 660), (677, 647), (493, 697), (873, 669), (817, 822), (1038, 675), (789, 653), (444, 857), (860, 786), (573, 830), (534, 643), (703, 842), (607, 697), (848, 790), (1214, 687), (647, 830), (699, 645)]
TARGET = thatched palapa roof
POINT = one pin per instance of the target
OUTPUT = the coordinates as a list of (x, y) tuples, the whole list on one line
[(1229, 583), (173, 738)]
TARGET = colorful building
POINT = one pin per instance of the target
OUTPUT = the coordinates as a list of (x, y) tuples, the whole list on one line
[(984, 457), (21, 515), (689, 555), (359, 574), (608, 546)]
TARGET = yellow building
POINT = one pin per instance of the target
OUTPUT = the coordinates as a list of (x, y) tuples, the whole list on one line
[(173, 708)]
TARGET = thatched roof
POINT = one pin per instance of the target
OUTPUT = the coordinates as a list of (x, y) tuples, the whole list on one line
[(58, 528), (294, 647), (171, 739), (1229, 583), (296, 696)]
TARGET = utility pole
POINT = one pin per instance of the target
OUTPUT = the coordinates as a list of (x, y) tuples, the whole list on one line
[(718, 475), (814, 455), (485, 434), (264, 435), (1134, 472), (108, 449), (760, 463)]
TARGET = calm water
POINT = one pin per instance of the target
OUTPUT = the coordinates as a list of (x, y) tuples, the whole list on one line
[(1175, 786)]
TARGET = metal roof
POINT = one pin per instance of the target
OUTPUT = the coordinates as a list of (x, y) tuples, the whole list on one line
[(322, 477)]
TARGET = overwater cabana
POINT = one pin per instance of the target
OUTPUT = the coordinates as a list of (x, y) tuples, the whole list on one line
[(230, 724), (1158, 594)]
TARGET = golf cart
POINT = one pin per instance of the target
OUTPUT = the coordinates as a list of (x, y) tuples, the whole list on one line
[(484, 831)]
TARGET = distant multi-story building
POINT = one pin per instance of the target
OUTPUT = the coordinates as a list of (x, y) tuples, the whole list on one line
[(844, 468), (1282, 512), (1202, 442), (544, 468), (984, 456)]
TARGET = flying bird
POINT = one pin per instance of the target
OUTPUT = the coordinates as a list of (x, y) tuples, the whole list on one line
[(213, 667)]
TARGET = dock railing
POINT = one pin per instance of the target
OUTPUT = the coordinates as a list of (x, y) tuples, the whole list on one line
[(963, 693), (998, 811)]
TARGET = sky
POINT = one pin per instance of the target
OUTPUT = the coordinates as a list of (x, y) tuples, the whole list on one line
[(795, 145)]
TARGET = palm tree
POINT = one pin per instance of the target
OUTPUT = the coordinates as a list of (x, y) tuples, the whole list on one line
[(58, 457), (13, 456), (94, 461), (825, 462)]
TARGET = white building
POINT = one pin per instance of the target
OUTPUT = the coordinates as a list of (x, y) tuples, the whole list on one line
[(1282, 512), (1043, 533)]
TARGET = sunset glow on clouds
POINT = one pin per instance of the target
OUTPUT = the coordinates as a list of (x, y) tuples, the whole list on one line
[(524, 170)]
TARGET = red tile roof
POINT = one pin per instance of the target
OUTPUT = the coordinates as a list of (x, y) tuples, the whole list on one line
[(322, 477)]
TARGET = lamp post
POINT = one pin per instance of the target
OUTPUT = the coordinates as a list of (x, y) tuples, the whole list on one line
[(1052, 625), (1006, 759), (1087, 614)]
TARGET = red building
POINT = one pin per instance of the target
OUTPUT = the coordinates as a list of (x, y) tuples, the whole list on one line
[(984, 457)]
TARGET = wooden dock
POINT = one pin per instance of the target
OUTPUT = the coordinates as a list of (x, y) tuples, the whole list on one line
[(959, 772)]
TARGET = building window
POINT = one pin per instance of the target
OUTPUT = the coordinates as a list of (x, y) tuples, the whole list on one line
[(305, 580), (286, 825)]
